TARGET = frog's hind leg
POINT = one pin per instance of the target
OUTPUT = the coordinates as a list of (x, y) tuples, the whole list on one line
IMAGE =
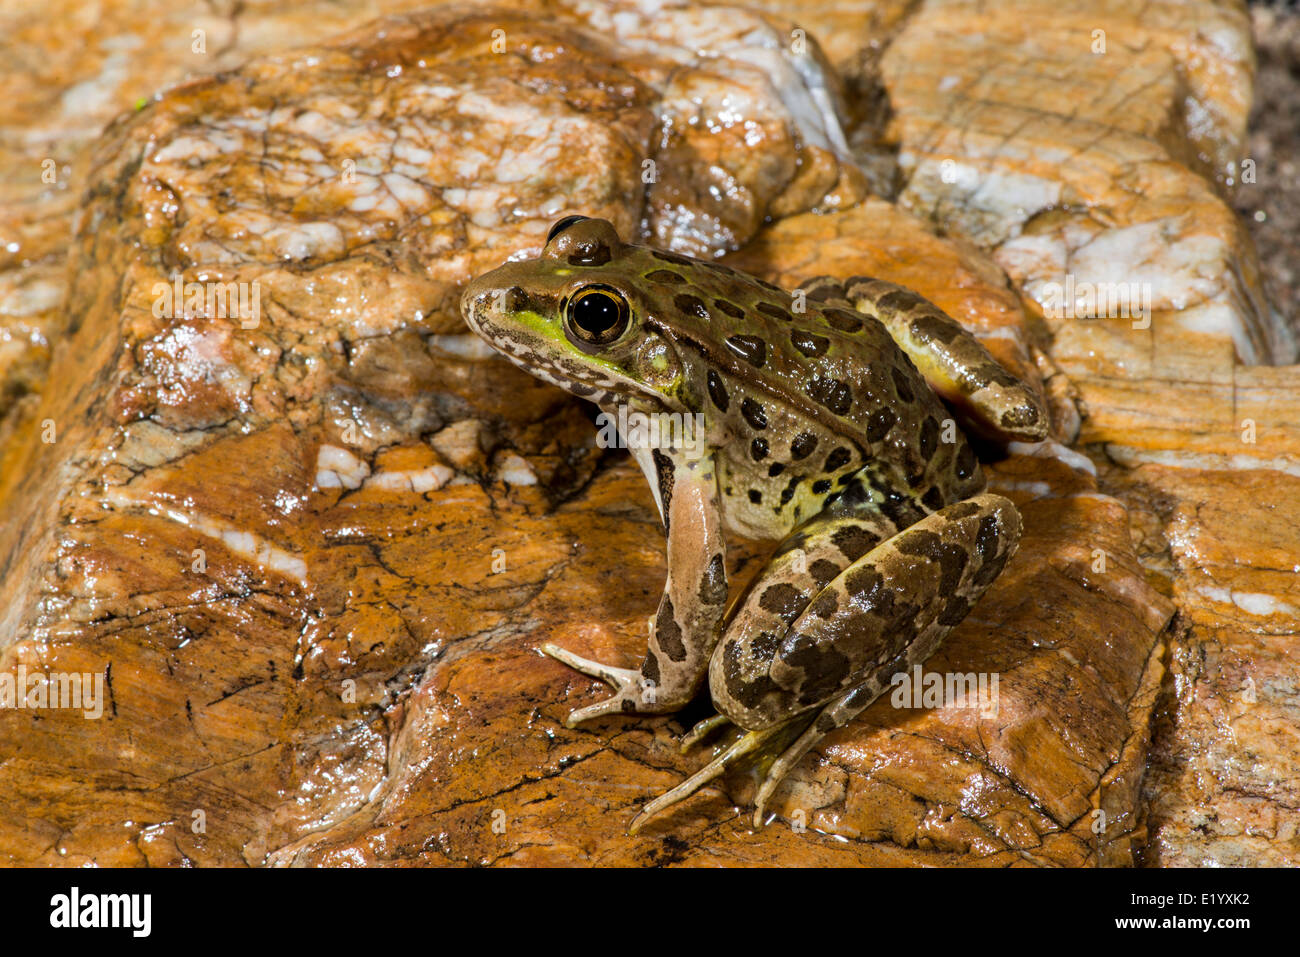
[(834, 715), (886, 612), (804, 563), (702, 730), (747, 744), (808, 560)]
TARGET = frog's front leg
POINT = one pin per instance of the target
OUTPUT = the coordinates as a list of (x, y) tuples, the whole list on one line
[(686, 628)]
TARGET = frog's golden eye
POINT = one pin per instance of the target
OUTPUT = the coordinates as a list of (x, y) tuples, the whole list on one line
[(595, 316)]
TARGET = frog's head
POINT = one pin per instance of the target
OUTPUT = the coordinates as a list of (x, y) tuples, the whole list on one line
[(578, 316)]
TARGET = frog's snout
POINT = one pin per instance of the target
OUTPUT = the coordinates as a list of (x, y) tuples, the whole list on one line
[(476, 303)]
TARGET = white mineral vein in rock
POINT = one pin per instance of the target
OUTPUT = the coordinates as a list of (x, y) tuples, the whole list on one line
[(1253, 603), (241, 542), (414, 480), (1129, 456), (514, 470), (338, 468)]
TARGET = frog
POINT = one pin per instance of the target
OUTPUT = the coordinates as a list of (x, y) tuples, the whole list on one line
[(827, 424)]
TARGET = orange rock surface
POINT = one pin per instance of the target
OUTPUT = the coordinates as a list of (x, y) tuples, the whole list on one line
[(313, 556)]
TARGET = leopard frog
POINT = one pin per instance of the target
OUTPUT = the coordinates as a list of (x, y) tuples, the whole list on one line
[(826, 427)]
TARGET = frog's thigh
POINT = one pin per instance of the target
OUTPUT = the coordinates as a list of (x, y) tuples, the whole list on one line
[(886, 614), (806, 561), (886, 611), (952, 360)]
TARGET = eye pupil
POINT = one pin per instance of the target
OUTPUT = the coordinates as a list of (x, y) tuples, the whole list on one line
[(596, 313), (596, 316)]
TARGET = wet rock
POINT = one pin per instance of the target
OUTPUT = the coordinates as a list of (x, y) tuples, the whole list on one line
[(312, 552), (1126, 187)]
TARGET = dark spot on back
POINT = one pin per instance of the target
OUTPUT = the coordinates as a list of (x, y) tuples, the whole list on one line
[(666, 276), (823, 572), (934, 327), (758, 449), (671, 258), (753, 413), (962, 510), (750, 348), (854, 541), (774, 312), (926, 544), (954, 611), (899, 300), (650, 667), (879, 424), (933, 499), (837, 459), (843, 320), (1020, 417), (872, 592), (929, 437), (668, 633), (730, 308), (825, 605), (900, 509), (783, 600), (717, 391), (775, 469), (834, 394), (822, 288), (763, 646), (713, 586), (808, 343), (664, 470), (986, 539), (690, 305), (748, 693), (965, 464), (824, 667), (803, 445)]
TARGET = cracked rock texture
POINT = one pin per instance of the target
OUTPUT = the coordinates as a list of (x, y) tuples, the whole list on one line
[(313, 550)]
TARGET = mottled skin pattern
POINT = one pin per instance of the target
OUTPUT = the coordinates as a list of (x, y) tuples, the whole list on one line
[(823, 430)]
